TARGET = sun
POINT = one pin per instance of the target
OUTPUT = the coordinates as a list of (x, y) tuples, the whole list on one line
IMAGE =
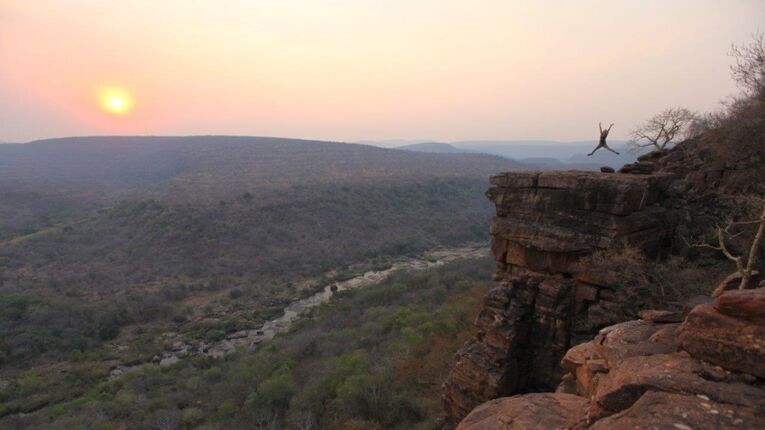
[(115, 101)]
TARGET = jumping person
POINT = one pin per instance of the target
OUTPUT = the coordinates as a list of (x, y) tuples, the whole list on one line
[(602, 143)]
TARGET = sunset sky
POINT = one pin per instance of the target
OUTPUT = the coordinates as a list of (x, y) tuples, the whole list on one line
[(361, 69)]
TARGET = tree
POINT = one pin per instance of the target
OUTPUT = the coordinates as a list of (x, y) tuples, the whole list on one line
[(744, 262), (749, 69), (664, 129)]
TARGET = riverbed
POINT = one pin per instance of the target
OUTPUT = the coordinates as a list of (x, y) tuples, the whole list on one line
[(249, 339)]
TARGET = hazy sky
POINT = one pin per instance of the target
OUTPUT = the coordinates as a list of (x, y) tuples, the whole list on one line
[(362, 69)]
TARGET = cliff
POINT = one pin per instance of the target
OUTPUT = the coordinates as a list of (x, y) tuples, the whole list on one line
[(556, 347), (545, 224)]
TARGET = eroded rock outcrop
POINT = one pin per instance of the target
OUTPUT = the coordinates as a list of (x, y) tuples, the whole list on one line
[(730, 332), (547, 221), (651, 373), (524, 327), (545, 224)]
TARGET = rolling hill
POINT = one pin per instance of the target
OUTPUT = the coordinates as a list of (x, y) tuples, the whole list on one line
[(43, 179)]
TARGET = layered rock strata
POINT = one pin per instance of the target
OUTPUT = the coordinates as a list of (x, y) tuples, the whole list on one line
[(705, 373), (545, 223)]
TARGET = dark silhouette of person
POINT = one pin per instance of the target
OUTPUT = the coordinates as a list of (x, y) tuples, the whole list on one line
[(602, 143)]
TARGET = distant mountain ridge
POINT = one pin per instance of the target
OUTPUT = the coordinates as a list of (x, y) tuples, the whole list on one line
[(55, 177), (436, 147), (537, 154), (225, 164)]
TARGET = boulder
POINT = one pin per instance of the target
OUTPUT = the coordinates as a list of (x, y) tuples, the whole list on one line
[(744, 304), (672, 373), (542, 411), (632, 375), (680, 412), (632, 338), (733, 343), (734, 280)]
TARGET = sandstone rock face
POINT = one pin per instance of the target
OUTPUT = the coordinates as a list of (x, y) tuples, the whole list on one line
[(545, 223), (529, 412), (734, 280), (745, 304), (524, 325), (680, 412), (730, 332), (635, 375), (651, 373)]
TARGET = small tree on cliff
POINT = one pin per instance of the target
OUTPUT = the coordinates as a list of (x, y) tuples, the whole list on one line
[(664, 129), (745, 261)]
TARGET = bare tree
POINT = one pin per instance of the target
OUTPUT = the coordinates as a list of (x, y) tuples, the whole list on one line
[(749, 69), (664, 129), (744, 263)]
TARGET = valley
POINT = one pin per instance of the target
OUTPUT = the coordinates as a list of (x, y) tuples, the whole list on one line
[(360, 215), (123, 257)]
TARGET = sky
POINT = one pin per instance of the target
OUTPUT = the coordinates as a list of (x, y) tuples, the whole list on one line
[(352, 70)]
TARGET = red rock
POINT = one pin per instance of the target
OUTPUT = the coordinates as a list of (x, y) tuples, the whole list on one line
[(544, 411), (732, 281), (632, 375), (597, 365), (744, 304), (523, 334), (673, 373), (568, 385), (667, 336), (629, 339), (732, 343), (658, 316), (547, 221), (642, 387), (578, 356), (587, 377), (662, 410)]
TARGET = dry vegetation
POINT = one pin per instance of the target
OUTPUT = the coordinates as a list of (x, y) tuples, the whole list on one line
[(371, 359)]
